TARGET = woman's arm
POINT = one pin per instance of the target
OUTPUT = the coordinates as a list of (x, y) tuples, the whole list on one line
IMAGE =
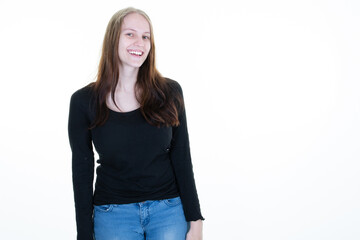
[(82, 164), (181, 159)]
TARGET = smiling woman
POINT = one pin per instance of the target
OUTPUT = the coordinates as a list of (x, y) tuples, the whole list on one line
[(136, 120)]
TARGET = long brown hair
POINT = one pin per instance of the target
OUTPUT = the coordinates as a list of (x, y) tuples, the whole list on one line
[(160, 103)]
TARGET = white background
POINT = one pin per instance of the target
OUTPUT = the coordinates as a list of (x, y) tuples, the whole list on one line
[(272, 95)]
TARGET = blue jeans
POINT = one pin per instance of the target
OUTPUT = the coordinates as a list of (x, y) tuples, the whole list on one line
[(150, 220)]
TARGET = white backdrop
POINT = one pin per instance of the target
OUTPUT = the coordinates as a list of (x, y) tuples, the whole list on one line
[(272, 95)]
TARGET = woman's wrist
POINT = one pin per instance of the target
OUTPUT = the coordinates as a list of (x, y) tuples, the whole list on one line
[(196, 225), (195, 231)]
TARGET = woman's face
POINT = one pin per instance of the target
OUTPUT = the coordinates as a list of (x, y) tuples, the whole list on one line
[(134, 42)]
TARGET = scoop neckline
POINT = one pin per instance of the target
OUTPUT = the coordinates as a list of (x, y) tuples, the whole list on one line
[(124, 113)]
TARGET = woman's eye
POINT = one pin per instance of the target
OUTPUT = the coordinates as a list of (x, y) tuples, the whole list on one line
[(130, 34), (146, 37)]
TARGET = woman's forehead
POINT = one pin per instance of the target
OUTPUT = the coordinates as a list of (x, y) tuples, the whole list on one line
[(136, 22)]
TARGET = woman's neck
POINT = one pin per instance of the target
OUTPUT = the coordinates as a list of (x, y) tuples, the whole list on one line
[(127, 79), (125, 96)]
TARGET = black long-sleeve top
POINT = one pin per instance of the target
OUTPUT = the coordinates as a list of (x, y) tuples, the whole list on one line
[(138, 161)]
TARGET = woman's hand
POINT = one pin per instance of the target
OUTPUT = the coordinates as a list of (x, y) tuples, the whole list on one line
[(195, 231)]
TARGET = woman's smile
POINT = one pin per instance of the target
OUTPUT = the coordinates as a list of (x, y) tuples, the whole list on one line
[(138, 53)]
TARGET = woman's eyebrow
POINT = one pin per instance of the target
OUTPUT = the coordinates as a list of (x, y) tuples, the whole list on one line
[(131, 29)]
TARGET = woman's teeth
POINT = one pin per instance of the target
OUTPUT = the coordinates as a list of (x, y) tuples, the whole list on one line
[(136, 53)]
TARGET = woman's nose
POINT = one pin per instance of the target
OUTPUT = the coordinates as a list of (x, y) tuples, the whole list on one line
[(139, 41)]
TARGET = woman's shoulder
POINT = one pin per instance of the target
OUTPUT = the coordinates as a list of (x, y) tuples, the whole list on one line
[(174, 85), (83, 93), (176, 93), (83, 96)]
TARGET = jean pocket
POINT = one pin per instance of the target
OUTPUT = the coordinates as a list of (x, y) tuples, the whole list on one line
[(104, 208), (172, 202)]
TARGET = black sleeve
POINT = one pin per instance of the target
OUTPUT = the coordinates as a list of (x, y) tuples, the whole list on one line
[(82, 164), (181, 160)]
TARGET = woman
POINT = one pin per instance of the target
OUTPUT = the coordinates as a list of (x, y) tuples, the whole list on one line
[(136, 120)]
